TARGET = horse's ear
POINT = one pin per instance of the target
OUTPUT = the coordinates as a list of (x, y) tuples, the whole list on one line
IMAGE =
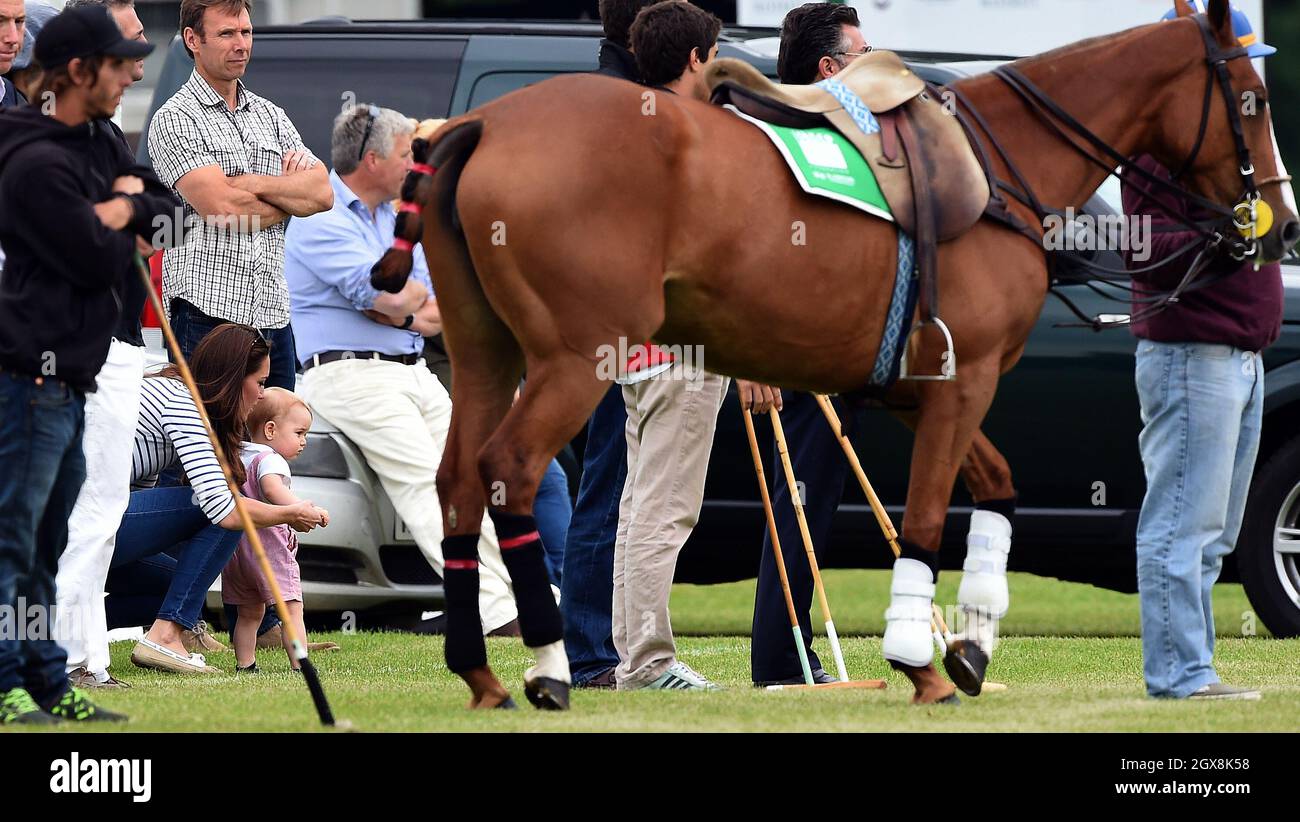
[(1183, 8), (1221, 21)]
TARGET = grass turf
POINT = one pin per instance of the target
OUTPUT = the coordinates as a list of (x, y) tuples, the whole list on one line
[(1069, 682)]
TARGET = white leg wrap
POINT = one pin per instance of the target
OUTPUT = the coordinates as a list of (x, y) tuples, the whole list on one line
[(907, 620), (982, 597)]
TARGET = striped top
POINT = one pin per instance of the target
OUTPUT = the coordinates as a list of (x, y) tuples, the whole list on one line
[(170, 427)]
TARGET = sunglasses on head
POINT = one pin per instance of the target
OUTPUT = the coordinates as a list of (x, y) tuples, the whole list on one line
[(371, 116)]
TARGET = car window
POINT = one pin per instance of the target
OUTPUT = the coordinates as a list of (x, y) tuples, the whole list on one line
[(498, 83), (414, 77)]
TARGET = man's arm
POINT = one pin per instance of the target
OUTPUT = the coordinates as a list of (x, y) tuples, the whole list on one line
[(301, 193), (66, 230), (425, 321), (217, 197)]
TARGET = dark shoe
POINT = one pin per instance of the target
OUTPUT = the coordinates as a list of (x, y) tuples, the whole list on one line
[(251, 668), (74, 706), (820, 677), (511, 628), (602, 681), (18, 708)]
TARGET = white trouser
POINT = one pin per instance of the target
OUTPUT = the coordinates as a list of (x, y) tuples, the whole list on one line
[(111, 414), (398, 415)]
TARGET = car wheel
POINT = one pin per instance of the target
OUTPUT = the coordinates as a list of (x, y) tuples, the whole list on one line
[(1268, 552)]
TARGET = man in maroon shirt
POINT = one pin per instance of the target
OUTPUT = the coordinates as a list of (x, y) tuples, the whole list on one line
[(1200, 380)]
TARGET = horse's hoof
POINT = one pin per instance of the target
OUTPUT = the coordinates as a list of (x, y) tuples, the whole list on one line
[(930, 687), (486, 690), (966, 663), (547, 694)]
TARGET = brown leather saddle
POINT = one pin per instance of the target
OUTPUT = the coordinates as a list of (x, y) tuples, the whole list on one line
[(940, 156), (935, 184)]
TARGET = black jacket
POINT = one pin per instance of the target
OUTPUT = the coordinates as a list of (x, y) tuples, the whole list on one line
[(616, 61), (61, 291)]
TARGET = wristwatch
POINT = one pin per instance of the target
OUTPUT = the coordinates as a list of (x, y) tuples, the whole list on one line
[(410, 320)]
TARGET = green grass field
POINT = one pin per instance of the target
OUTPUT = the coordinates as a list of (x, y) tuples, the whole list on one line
[(1070, 659)]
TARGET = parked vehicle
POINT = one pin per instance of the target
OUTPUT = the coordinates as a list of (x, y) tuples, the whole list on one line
[(1066, 417)]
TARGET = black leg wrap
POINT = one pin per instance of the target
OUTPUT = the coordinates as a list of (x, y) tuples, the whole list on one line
[(910, 550), (521, 548), (1005, 507), (464, 649)]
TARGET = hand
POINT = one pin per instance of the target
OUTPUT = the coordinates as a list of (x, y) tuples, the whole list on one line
[(324, 516), (116, 213), (303, 517), (758, 398), (128, 184), (295, 161)]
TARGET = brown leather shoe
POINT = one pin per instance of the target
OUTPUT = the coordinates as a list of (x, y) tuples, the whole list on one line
[(511, 628), (82, 678), (601, 681), (200, 640), (274, 638)]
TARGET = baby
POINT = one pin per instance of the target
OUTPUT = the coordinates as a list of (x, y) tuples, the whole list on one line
[(278, 427)]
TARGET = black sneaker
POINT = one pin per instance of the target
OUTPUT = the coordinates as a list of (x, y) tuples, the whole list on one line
[(18, 708), (251, 668), (74, 706), (820, 677)]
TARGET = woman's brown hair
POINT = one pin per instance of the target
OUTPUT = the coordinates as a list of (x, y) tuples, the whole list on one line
[(228, 354)]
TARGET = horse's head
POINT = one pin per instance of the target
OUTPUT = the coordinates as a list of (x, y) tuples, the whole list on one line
[(1216, 132)]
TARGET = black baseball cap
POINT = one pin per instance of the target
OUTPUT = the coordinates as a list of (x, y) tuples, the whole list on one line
[(82, 32)]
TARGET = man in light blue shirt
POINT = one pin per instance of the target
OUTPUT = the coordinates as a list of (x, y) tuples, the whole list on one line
[(360, 348), (328, 256)]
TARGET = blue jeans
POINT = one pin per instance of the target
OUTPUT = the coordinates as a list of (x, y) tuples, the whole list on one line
[(41, 472), (161, 523), (587, 584), (191, 325), (1202, 407), (552, 509)]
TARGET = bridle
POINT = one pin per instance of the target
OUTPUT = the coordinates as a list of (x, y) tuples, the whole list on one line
[(1250, 218)]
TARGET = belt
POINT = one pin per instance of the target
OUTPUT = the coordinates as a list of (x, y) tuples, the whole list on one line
[(334, 356)]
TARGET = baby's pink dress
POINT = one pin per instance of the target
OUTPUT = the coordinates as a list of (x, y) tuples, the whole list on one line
[(242, 582)]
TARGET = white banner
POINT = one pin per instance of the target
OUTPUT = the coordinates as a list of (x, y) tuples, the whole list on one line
[(1011, 27)]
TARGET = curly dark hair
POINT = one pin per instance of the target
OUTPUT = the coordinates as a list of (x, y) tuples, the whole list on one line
[(809, 33), (616, 17), (665, 34)]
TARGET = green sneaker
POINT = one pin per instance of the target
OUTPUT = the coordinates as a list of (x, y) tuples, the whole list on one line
[(18, 708), (74, 706)]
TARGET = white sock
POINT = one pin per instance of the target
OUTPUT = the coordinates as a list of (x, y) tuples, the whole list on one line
[(552, 661)]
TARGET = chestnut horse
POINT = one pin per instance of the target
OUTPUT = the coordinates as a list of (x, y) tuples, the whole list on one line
[(569, 214)]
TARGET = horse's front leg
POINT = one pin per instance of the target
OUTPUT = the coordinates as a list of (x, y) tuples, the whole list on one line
[(983, 596), (946, 424)]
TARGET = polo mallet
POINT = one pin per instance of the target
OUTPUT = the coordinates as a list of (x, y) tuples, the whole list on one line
[(776, 549), (964, 661), (795, 499), (250, 531)]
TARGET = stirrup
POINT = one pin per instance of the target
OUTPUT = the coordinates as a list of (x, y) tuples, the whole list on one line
[(948, 360)]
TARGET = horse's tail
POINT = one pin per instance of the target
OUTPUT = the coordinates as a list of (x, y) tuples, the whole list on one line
[(430, 184)]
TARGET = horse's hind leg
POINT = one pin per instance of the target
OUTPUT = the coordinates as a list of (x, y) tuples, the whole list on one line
[(561, 392)]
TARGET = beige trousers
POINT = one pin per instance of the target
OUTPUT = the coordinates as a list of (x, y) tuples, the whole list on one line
[(670, 424), (398, 416)]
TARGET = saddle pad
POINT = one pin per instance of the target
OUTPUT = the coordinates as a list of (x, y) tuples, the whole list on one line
[(826, 164)]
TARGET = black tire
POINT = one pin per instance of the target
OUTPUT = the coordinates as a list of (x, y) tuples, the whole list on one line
[(1272, 579)]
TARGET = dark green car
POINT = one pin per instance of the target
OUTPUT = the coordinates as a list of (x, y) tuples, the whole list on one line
[(1066, 417)]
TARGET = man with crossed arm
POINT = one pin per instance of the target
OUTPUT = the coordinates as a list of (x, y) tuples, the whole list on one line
[(243, 170)]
